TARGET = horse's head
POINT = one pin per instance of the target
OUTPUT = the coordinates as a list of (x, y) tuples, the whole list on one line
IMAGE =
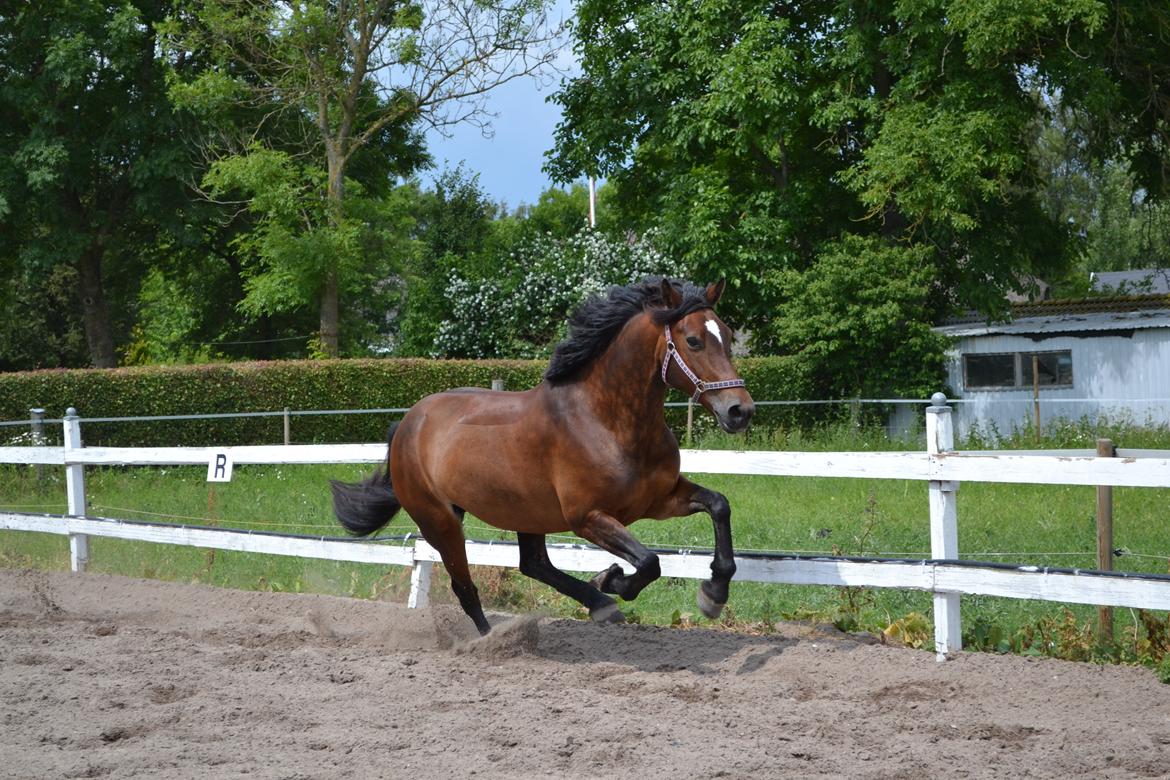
[(697, 360)]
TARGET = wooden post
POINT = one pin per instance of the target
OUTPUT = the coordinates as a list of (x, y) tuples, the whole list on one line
[(420, 585), (944, 526), (1105, 449), (75, 491), (287, 438), (690, 421), (1036, 393)]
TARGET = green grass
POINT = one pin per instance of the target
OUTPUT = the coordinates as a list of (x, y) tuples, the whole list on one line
[(1026, 524)]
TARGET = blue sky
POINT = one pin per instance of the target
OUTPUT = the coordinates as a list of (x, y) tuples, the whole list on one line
[(509, 163)]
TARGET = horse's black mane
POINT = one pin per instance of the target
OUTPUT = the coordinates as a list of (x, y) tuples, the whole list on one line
[(597, 321)]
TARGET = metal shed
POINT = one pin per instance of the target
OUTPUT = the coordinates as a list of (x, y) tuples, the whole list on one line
[(1077, 358)]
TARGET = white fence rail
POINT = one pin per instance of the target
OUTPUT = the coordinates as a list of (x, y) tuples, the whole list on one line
[(944, 575)]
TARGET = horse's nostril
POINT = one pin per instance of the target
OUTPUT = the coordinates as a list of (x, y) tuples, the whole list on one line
[(739, 414)]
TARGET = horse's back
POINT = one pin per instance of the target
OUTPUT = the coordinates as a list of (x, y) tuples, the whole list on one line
[(444, 415)]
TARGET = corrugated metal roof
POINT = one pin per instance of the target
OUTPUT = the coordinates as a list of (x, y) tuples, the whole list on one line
[(1145, 280), (1116, 304), (1070, 316)]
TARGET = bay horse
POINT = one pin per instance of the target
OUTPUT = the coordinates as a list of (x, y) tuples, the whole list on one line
[(587, 450)]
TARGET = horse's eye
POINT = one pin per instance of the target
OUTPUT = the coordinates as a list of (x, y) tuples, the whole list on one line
[(694, 343)]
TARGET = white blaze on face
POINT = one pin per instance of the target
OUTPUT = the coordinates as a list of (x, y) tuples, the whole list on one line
[(714, 328)]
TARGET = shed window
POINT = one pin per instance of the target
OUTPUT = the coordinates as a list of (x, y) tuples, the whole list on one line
[(1013, 370), (990, 370), (1052, 368)]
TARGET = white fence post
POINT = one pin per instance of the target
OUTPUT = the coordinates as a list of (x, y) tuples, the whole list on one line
[(75, 491), (944, 526), (420, 584), (36, 417)]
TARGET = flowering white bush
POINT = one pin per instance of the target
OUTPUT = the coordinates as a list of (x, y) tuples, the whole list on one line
[(522, 311), (476, 331)]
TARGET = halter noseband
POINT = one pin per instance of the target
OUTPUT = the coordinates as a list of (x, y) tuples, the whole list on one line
[(700, 386)]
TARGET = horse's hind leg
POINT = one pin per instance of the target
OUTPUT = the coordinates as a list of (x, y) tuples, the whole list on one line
[(607, 533), (534, 562), (442, 527)]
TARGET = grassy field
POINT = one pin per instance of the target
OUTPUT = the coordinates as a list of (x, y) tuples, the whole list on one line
[(1041, 525)]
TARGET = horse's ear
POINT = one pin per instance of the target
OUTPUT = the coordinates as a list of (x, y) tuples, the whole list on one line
[(715, 290), (670, 295)]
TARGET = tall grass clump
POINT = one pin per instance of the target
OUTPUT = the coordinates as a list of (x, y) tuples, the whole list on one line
[(1071, 433)]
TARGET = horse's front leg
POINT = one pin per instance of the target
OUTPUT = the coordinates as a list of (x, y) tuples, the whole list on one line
[(686, 499), (613, 537)]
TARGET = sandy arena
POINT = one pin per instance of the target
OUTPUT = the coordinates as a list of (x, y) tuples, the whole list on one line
[(116, 677)]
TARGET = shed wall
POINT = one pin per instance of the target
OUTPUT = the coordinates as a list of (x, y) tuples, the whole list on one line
[(1124, 376)]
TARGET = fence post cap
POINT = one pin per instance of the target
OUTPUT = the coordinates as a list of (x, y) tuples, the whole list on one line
[(36, 410), (938, 401), (70, 412)]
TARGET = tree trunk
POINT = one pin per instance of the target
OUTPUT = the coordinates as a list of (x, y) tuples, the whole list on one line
[(894, 223), (330, 314), (95, 311), (330, 297)]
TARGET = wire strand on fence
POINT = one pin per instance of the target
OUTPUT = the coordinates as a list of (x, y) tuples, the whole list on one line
[(389, 533), (30, 421), (1128, 554), (227, 415), (208, 521), (672, 404), (255, 341)]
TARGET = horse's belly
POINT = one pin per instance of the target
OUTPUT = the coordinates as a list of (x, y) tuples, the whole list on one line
[(500, 499)]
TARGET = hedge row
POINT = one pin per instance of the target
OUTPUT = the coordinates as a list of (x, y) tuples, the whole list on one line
[(301, 385)]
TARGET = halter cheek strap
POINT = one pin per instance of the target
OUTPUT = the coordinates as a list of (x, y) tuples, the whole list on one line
[(700, 386)]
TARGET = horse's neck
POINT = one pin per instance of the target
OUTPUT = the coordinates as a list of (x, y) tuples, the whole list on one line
[(624, 386)]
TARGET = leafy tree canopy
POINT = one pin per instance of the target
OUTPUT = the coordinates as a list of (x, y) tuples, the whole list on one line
[(767, 141), (91, 166), (349, 72)]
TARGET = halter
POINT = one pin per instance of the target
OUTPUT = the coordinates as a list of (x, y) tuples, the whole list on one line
[(700, 386)]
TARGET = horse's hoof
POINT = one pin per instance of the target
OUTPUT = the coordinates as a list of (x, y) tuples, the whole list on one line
[(602, 579), (607, 614), (708, 606)]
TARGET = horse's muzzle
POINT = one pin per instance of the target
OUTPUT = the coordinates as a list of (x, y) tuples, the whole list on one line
[(735, 414)]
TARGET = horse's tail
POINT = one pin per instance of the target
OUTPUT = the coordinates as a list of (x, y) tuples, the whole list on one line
[(364, 507)]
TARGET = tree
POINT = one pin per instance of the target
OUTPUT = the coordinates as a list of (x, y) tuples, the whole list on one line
[(1109, 64), (701, 119), (1118, 223), (41, 327), (759, 137), (472, 257), (560, 212), (293, 231), (453, 228), (352, 70), (91, 163), (864, 327), (520, 306)]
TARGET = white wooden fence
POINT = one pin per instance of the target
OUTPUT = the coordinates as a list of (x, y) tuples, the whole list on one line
[(944, 575)]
